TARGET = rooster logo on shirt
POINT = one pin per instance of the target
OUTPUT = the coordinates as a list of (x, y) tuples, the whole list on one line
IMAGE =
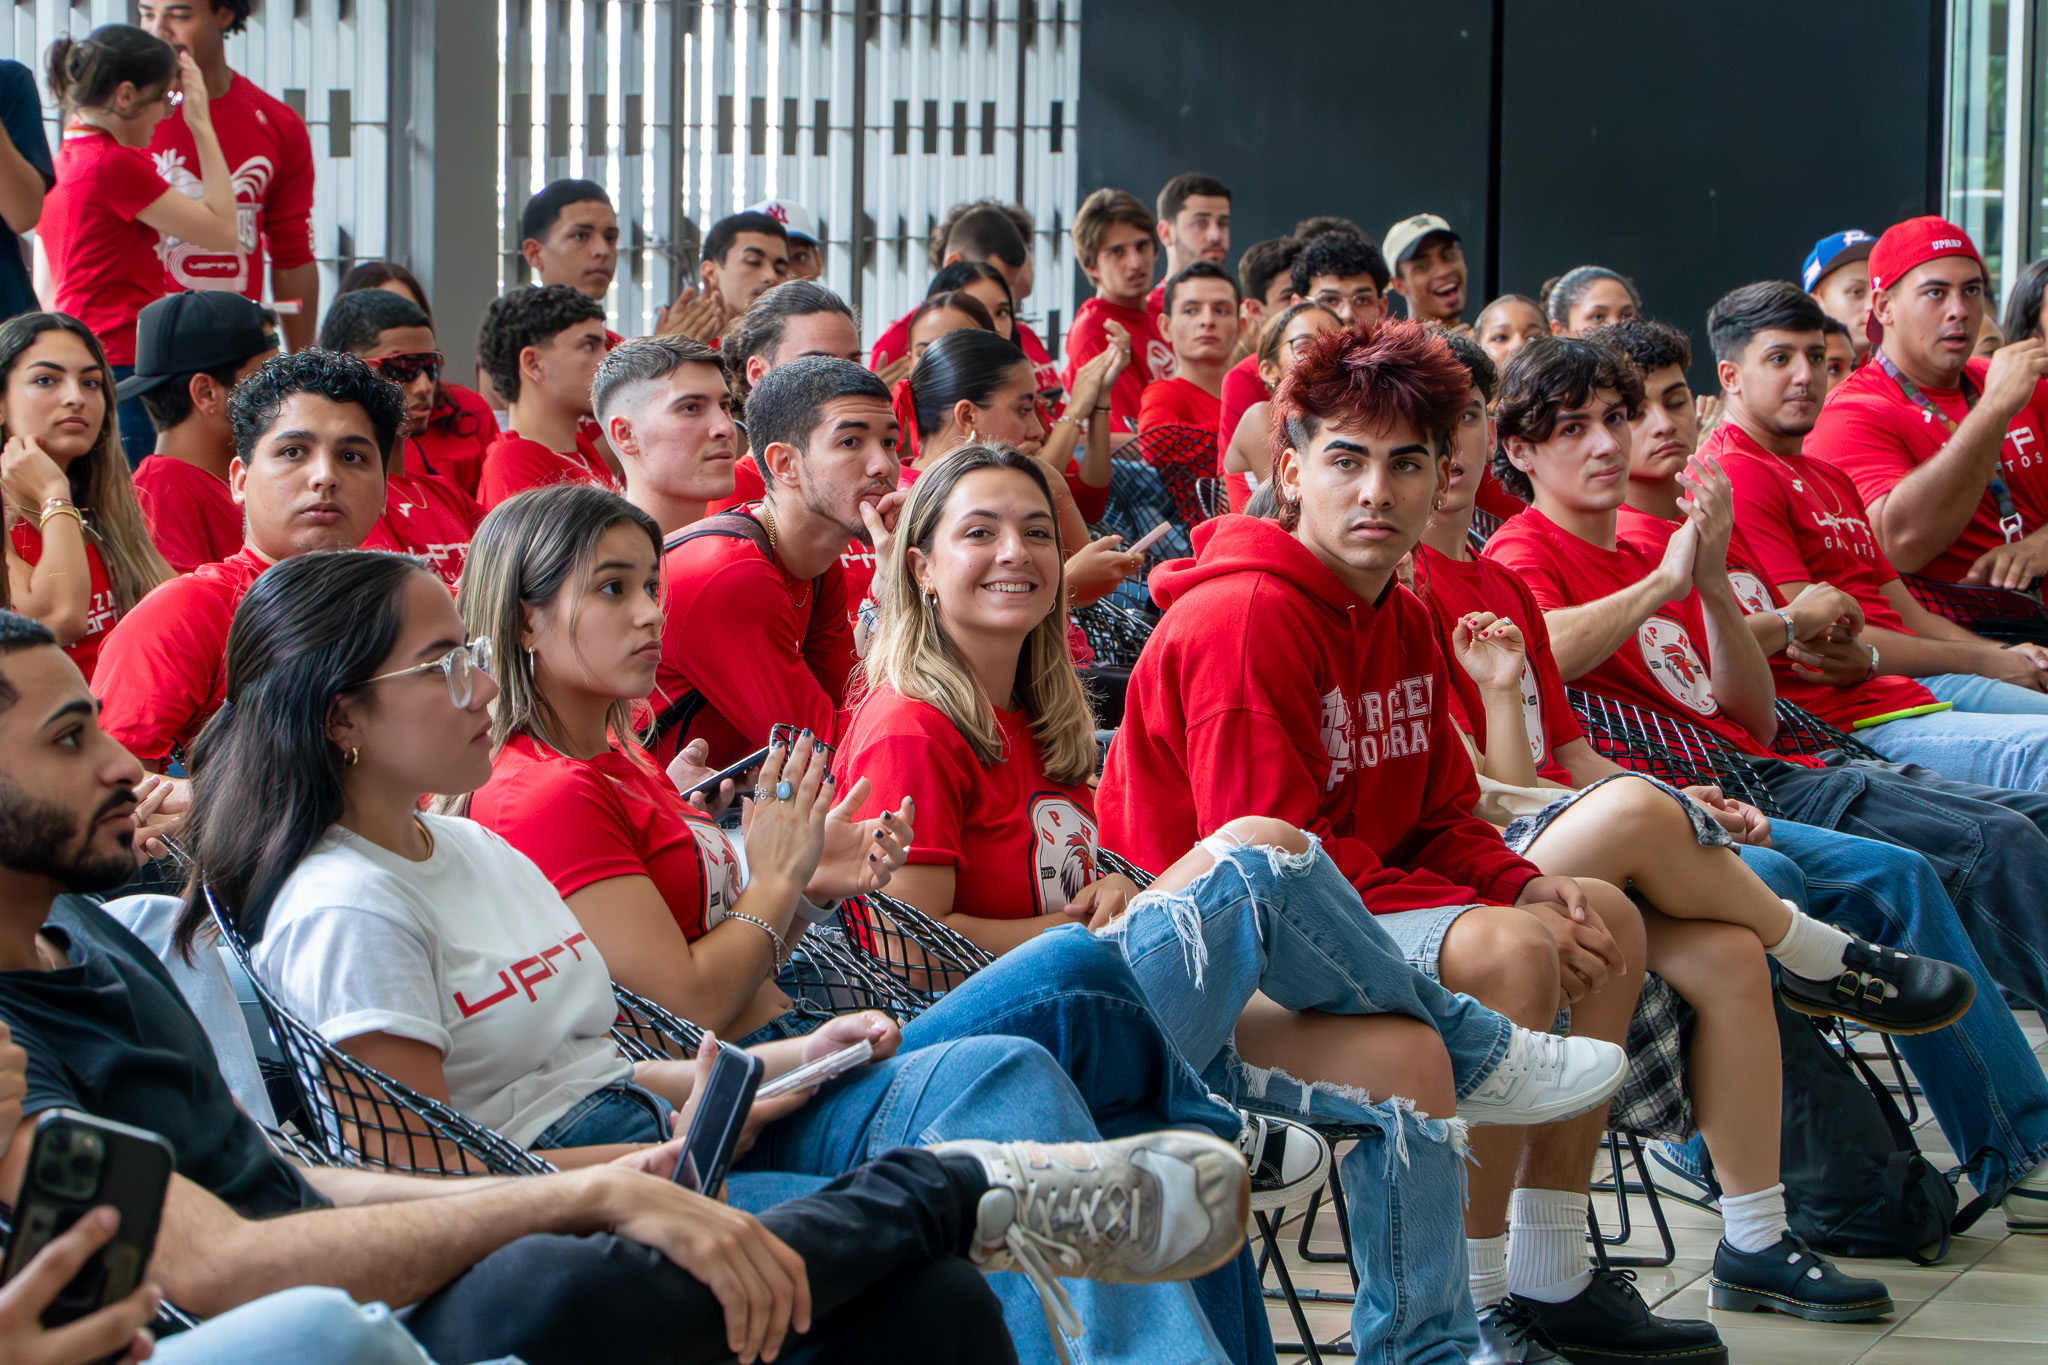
[(1669, 655), (1532, 715), (1062, 851), (1750, 591), (195, 267)]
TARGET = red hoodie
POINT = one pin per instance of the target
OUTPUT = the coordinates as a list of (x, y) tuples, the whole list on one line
[(1269, 688)]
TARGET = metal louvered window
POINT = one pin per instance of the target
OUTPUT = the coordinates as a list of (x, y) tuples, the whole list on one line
[(877, 115), (330, 60)]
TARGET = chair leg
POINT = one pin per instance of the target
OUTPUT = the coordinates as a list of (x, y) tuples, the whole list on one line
[(1271, 1256), (1647, 1187)]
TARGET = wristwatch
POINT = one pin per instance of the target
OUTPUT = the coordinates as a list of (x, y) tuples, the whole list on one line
[(1786, 617)]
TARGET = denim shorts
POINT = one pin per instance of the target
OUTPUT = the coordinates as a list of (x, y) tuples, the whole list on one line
[(1705, 828), (622, 1112), (1419, 934)]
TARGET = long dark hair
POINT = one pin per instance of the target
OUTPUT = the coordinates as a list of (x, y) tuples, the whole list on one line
[(266, 779), (966, 363), (100, 482), (2023, 304), (377, 274), (86, 73)]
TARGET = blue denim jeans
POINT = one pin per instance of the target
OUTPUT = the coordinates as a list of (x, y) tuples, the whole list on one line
[(623, 1112), (1291, 926), (1980, 1078), (313, 1325), (1052, 1042), (1986, 696)]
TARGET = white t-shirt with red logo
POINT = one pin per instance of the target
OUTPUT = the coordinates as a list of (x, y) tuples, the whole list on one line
[(470, 952)]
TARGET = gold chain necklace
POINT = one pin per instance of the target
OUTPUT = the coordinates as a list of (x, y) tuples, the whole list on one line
[(775, 553)]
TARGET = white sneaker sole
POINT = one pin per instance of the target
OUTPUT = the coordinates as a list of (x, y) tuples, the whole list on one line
[(1298, 1189), (1558, 1107)]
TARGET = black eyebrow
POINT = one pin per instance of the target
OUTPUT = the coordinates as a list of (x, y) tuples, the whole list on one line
[(438, 648), (1411, 447), (84, 706), (613, 564), (1035, 514)]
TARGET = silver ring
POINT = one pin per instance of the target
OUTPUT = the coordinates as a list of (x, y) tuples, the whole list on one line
[(760, 793), (783, 791)]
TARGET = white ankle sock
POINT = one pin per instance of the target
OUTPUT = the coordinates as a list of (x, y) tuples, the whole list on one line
[(1547, 1245), (1810, 948), (1486, 1270), (1753, 1222)]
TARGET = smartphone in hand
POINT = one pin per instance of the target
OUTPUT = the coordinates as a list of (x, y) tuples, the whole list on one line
[(714, 1134)]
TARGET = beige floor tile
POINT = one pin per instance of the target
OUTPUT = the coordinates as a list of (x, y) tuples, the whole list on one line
[(1763, 1345), (1977, 1322), (1897, 1350), (2012, 1288)]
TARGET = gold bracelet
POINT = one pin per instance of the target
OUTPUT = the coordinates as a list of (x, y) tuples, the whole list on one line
[(774, 939), (57, 508)]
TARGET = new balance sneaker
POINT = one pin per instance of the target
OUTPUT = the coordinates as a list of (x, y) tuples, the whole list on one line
[(1507, 1336), (2026, 1210), (1884, 989), (1607, 1323), (1792, 1278), (1289, 1161), (1544, 1078)]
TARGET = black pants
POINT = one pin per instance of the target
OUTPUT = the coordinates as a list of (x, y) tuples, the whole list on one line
[(883, 1246)]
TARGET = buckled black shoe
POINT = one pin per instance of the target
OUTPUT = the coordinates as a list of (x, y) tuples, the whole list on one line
[(1791, 1277), (1884, 989), (1609, 1324)]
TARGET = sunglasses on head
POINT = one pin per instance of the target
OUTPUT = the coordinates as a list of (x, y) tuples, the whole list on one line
[(403, 369)]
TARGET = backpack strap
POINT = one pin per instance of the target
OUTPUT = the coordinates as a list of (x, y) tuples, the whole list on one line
[(731, 525), (1904, 1167)]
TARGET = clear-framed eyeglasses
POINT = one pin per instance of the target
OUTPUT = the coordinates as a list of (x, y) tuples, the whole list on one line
[(461, 664)]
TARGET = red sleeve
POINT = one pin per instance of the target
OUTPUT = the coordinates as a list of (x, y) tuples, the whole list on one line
[(1858, 437), (1764, 514), (512, 467), (176, 527), (127, 181), (566, 817), (288, 207), (1560, 723), (737, 627), (904, 748), (1242, 388), (1158, 407), (159, 666), (1524, 556), (1091, 503), (1085, 340)]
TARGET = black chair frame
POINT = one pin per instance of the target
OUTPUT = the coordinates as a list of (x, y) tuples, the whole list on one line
[(1996, 613), (1664, 747)]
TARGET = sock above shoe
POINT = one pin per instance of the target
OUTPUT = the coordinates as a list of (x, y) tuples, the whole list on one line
[(1547, 1245), (1810, 948), (1486, 1270)]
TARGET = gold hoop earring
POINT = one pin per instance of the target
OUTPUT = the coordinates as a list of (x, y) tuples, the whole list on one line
[(355, 753), (931, 599)]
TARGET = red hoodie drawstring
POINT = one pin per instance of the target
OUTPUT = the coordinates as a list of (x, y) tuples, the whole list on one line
[(905, 406)]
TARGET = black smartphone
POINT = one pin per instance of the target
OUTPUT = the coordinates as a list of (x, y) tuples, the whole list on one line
[(715, 1127), (76, 1164), (708, 788)]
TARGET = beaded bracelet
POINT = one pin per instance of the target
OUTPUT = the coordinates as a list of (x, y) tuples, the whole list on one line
[(774, 939)]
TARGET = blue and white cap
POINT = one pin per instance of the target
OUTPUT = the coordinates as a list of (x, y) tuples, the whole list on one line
[(1829, 252)]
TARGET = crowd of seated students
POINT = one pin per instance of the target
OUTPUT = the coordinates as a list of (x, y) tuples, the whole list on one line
[(406, 683)]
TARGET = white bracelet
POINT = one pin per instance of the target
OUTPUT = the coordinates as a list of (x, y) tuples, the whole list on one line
[(808, 909)]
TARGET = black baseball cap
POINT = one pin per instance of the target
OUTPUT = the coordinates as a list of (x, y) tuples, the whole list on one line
[(196, 330)]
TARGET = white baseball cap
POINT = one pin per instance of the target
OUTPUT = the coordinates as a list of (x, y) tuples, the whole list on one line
[(796, 220), (1403, 237)]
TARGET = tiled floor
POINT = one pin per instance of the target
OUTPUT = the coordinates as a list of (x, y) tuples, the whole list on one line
[(1991, 1294)]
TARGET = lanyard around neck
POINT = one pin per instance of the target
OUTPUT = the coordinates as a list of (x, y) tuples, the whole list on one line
[(2010, 524)]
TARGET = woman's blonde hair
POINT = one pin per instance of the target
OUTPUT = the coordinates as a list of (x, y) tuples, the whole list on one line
[(527, 552), (100, 482), (912, 654)]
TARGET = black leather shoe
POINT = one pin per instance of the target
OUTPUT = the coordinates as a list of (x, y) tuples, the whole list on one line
[(1791, 1277), (1609, 1324), (1930, 994)]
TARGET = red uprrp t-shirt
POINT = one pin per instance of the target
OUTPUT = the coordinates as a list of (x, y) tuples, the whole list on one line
[(103, 258), (1666, 668), (456, 438), (270, 163), (1804, 522), (585, 821), (1179, 401), (1841, 707), (1151, 357), (1456, 588), (513, 464), (1045, 376), (100, 610), (431, 518), (165, 671), (761, 650), (1021, 844), (192, 517), (1874, 433)]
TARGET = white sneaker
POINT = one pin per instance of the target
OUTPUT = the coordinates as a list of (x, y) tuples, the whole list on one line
[(1545, 1078), (1289, 1161), (1169, 1205)]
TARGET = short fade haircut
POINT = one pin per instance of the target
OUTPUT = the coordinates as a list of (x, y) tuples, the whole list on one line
[(1175, 193), (1263, 262), (1766, 306), (719, 241), (1199, 270), (542, 211), (644, 360), (760, 329), (1544, 378), (1649, 344), (257, 400), (530, 315), (18, 632), (788, 403), (981, 230), (1308, 229), (356, 320), (1477, 363), (1362, 377), (1343, 255), (1101, 211)]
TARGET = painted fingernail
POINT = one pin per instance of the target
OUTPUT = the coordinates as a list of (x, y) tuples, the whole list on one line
[(878, 834)]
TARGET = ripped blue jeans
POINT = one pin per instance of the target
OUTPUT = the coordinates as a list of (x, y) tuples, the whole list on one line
[(1290, 926)]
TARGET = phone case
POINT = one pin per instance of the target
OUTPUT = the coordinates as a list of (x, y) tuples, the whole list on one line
[(78, 1163), (715, 1129)]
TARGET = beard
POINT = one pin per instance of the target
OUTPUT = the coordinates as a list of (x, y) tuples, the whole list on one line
[(41, 838)]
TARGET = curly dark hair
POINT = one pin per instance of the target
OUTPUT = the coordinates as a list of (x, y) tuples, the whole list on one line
[(1342, 255), (355, 321), (1649, 344), (257, 400), (1544, 378), (531, 315)]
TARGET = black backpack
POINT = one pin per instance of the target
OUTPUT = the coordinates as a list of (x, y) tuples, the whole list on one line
[(1855, 1181), (678, 714)]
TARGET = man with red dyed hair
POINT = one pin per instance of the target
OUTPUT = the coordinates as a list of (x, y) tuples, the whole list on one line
[(1293, 677)]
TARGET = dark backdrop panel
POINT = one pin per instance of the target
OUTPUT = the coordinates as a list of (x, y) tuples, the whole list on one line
[(1372, 111), (1695, 148)]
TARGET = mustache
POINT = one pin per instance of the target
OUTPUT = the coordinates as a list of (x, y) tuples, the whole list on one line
[(122, 796)]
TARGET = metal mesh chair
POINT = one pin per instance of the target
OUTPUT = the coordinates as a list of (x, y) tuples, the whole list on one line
[(1484, 524), (920, 954), (1666, 747), (1115, 632), (357, 1114), (1998, 613), (646, 1032), (1185, 457), (828, 976), (1801, 733)]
